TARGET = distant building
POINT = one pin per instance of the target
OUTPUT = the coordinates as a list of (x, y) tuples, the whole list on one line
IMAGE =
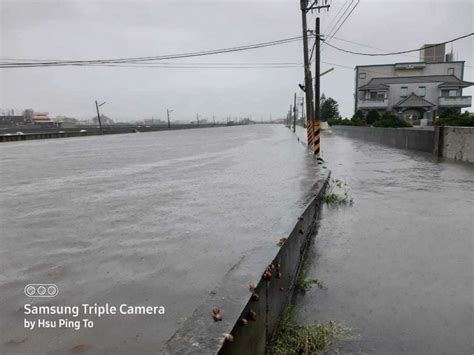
[(41, 118), (66, 122), (11, 118), (412, 90), (435, 53)]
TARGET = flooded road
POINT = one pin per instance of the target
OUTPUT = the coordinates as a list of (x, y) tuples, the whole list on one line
[(399, 263), (140, 219)]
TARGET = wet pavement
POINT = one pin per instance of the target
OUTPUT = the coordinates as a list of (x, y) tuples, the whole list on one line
[(143, 219), (399, 263)]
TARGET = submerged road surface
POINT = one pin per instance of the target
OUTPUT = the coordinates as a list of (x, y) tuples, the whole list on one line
[(399, 263), (139, 219)]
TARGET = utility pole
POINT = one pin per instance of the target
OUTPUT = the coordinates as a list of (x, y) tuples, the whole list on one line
[(294, 113), (302, 107), (290, 115), (98, 115), (168, 111), (197, 119), (307, 74), (317, 87), (312, 110)]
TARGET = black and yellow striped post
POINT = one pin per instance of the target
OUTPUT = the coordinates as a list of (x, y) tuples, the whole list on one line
[(309, 134), (316, 138)]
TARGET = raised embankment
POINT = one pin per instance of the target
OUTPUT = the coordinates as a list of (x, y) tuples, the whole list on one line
[(11, 135), (455, 143), (251, 317)]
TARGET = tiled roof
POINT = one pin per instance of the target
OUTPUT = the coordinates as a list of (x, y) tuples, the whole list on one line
[(413, 100), (444, 80)]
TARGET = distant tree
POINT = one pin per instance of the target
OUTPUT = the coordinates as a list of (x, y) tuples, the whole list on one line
[(390, 120), (329, 109), (322, 100), (456, 119), (449, 112), (359, 115), (372, 117)]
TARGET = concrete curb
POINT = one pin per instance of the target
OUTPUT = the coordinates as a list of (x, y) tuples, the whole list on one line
[(251, 317)]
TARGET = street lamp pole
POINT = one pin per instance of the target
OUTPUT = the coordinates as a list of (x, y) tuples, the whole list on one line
[(97, 105)]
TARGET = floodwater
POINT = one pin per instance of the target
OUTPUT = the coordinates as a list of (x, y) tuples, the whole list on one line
[(142, 219), (399, 263)]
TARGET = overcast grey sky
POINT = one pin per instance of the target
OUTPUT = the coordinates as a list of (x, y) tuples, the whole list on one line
[(93, 29)]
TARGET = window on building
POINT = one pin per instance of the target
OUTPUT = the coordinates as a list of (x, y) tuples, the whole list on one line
[(450, 71), (421, 91), (403, 91), (377, 95), (452, 93), (362, 75)]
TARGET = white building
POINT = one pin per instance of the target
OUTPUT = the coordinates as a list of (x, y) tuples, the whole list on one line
[(415, 89)]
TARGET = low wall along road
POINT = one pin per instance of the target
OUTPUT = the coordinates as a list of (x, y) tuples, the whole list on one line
[(455, 143), (405, 138)]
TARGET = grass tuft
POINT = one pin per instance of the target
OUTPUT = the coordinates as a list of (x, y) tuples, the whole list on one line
[(304, 284), (307, 339), (338, 193)]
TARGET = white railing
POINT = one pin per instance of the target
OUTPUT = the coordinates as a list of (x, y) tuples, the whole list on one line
[(455, 101), (372, 103)]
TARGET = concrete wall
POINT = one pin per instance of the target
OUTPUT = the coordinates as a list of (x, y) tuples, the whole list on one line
[(201, 335), (9, 135), (455, 143), (406, 138)]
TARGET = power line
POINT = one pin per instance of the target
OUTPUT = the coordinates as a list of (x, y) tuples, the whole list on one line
[(335, 24), (335, 17), (148, 59), (380, 49), (342, 23), (339, 19), (400, 52), (131, 65)]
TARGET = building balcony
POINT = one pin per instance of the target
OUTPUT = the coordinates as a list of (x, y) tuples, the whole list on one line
[(372, 104), (455, 101)]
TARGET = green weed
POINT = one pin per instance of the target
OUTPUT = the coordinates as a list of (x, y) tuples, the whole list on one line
[(304, 284), (337, 193), (307, 339)]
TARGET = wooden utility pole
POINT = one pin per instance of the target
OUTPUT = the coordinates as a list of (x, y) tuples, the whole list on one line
[(197, 119), (168, 115), (302, 108), (307, 71), (317, 86), (312, 109), (289, 116), (294, 113)]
